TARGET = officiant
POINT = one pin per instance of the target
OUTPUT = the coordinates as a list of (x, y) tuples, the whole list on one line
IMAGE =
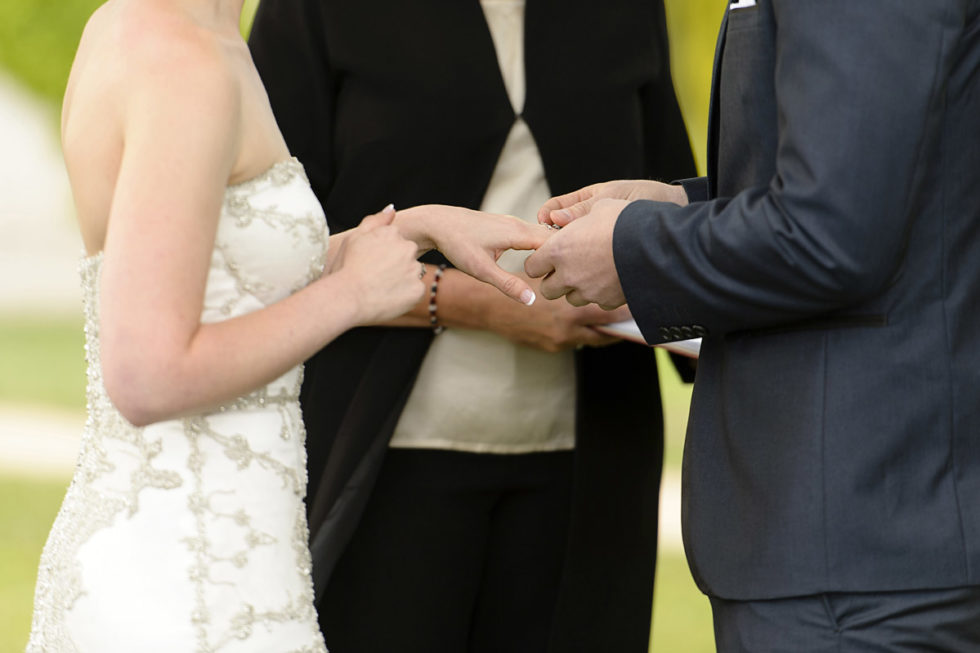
[(483, 476)]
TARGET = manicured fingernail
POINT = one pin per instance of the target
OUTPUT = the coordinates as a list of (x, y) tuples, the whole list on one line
[(528, 297), (388, 209), (567, 214)]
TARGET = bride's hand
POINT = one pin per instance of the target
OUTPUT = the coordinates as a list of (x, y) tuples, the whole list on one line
[(473, 241), (338, 241), (379, 269)]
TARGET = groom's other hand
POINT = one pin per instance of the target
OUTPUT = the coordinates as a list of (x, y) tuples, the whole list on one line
[(577, 261), (563, 209)]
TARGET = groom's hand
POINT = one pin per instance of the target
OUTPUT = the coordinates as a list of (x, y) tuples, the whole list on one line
[(566, 208), (577, 261)]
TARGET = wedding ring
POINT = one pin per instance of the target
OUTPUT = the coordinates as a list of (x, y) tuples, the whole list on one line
[(422, 271)]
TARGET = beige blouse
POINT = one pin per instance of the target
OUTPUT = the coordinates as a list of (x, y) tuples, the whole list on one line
[(477, 391)]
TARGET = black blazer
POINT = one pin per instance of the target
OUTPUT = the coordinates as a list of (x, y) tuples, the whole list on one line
[(834, 439), (388, 101)]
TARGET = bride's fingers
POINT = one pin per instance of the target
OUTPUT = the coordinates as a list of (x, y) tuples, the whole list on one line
[(528, 236), (512, 286), (381, 219)]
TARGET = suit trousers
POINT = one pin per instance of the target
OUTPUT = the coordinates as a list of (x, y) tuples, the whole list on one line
[(455, 553), (937, 621)]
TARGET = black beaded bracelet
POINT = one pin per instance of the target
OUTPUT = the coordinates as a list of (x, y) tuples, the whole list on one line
[(433, 317)]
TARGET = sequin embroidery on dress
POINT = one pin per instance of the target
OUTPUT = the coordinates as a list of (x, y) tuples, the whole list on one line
[(190, 534)]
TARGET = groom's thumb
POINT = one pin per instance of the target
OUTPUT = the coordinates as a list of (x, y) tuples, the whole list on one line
[(562, 217)]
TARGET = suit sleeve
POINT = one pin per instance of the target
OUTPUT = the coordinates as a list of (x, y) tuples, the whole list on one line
[(696, 188), (288, 46), (666, 144), (828, 231)]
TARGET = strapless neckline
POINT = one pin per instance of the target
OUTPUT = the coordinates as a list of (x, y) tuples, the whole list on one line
[(292, 165)]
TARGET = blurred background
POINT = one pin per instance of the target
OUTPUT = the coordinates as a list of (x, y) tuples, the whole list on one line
[(42, 368)]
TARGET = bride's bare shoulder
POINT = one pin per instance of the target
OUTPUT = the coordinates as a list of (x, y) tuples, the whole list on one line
[(145, 69), (142, 43)]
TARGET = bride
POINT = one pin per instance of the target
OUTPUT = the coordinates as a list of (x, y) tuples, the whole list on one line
[(210, 278)]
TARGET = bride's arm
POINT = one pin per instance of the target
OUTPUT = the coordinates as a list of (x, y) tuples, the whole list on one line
[(181, 129)]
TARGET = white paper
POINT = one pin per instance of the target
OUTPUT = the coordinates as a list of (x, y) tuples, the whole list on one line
[(628, 330)]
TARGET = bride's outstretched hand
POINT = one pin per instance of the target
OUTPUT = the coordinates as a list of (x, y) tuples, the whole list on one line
[(473, 241)]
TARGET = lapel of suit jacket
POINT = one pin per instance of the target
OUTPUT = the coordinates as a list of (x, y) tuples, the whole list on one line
[(713, 121)]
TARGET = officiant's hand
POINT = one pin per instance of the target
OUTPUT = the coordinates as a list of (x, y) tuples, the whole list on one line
[(564, 209), (552, 326), (473, 241), (549, 325)]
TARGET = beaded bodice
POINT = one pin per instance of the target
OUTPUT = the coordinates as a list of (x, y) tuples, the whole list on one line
[(271, 241), (214, 500)]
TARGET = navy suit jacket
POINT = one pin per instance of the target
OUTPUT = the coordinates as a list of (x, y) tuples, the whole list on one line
[(834, 268)]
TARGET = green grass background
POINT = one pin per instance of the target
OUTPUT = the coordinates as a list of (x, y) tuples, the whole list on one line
[(41, 357)]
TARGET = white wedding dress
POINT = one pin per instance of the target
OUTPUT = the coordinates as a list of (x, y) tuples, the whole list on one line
[(190, 534)]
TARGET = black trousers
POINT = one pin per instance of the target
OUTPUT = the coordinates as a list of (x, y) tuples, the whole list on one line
[(456, 553), (934, 621)]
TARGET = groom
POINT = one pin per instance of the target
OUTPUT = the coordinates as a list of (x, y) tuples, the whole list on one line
[(830, 259)]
